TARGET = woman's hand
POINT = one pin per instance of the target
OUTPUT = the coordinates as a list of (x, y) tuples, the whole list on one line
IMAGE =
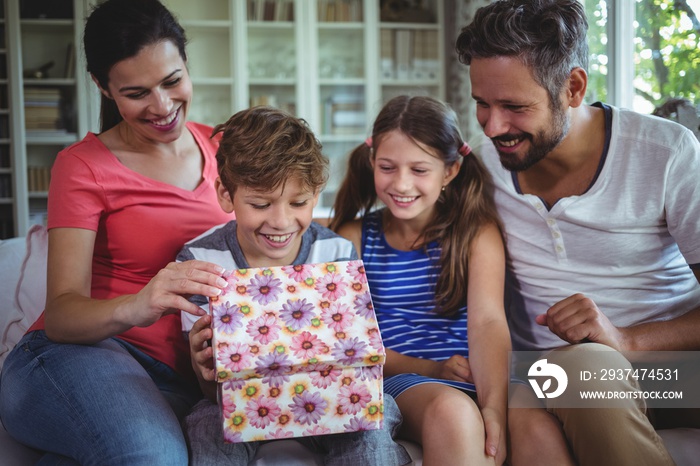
[(72, 315), (167, 292)]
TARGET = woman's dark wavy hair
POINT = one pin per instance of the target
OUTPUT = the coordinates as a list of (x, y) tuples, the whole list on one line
[(463, 207), (547, 36), (119, 29)]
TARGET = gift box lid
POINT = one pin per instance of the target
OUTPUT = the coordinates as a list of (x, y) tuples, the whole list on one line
[(274, 321)]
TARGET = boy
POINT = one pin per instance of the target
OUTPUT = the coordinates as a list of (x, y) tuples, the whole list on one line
[(271, 172)]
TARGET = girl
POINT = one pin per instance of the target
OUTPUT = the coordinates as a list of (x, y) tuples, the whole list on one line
[(432, 252)]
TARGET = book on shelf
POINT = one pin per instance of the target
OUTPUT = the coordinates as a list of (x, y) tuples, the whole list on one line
[(42, 118), (349, 118), (344, 114), (271, 10), (7, 229), (409, 55), (404, 53), (46, 133), (42, 94), (272, 101), (5, 185), (38, 178), (331, 11), (69, 65), (418, 70), (431, 59), (386, 38)]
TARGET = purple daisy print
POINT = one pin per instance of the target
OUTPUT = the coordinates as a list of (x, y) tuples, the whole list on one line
[(227, 317), (337, 316), (306, 345), (308, 407), (369, 372), (297, 314), (358, 424), (317, 430), (232, 436), (279, 433), (356, 269), (262, 411), (364, 306), (264, 329), (324, 376), (234, 356), (331, 286), (228, 403), (350, 351), (375, 338), (264, 289), (274, 368), (353, 398), (299, 272), (231, 280), (233, 384)]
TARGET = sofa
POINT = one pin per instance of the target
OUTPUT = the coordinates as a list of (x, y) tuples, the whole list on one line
[(23, 271)]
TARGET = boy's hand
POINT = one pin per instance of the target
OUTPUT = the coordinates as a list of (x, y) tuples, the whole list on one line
[(201, 352)]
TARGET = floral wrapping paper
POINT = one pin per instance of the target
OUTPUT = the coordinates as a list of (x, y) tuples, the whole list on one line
[(298, 352)]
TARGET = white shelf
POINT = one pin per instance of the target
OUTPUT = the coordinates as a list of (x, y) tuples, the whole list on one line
[(233, 63), (50, 140), (49, 82), (31, 43)]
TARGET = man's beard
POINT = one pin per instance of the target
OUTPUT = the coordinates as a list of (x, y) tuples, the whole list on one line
[(540, 145)]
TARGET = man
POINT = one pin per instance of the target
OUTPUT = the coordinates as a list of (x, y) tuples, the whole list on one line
[(600, 206)]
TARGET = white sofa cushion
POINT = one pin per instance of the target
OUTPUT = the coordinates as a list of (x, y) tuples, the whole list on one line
[(11, 256), (23, 281), (31, 289), (26, 289)]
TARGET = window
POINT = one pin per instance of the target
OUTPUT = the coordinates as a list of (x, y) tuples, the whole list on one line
[(643, 52)]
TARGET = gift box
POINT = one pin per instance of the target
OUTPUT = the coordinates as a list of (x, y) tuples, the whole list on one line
[(297, 352)]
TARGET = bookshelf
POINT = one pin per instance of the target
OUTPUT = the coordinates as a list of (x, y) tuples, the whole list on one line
[(321, 60), (46, 103), (369, 51), (7, 219), (332, 62)]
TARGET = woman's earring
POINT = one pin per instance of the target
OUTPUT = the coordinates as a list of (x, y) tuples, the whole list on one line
[(443, 188)]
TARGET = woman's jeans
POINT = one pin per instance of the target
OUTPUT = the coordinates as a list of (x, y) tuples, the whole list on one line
[(102, 404)]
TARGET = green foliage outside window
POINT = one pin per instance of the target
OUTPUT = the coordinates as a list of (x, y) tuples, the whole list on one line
[(666, 51)]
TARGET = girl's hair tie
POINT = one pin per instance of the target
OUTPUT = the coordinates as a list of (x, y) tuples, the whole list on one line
[(368, 142), (465, 149)]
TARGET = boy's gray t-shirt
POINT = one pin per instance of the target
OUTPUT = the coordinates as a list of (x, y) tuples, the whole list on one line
[(220, 246)]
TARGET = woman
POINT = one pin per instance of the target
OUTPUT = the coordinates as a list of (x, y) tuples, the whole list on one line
[(104, 374)]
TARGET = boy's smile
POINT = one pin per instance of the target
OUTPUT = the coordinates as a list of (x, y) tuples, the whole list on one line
[(270, 224)]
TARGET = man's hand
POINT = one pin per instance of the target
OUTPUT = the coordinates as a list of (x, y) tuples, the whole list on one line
[(577, 319)]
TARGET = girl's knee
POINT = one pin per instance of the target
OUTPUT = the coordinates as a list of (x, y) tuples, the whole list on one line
[(452, 409)]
